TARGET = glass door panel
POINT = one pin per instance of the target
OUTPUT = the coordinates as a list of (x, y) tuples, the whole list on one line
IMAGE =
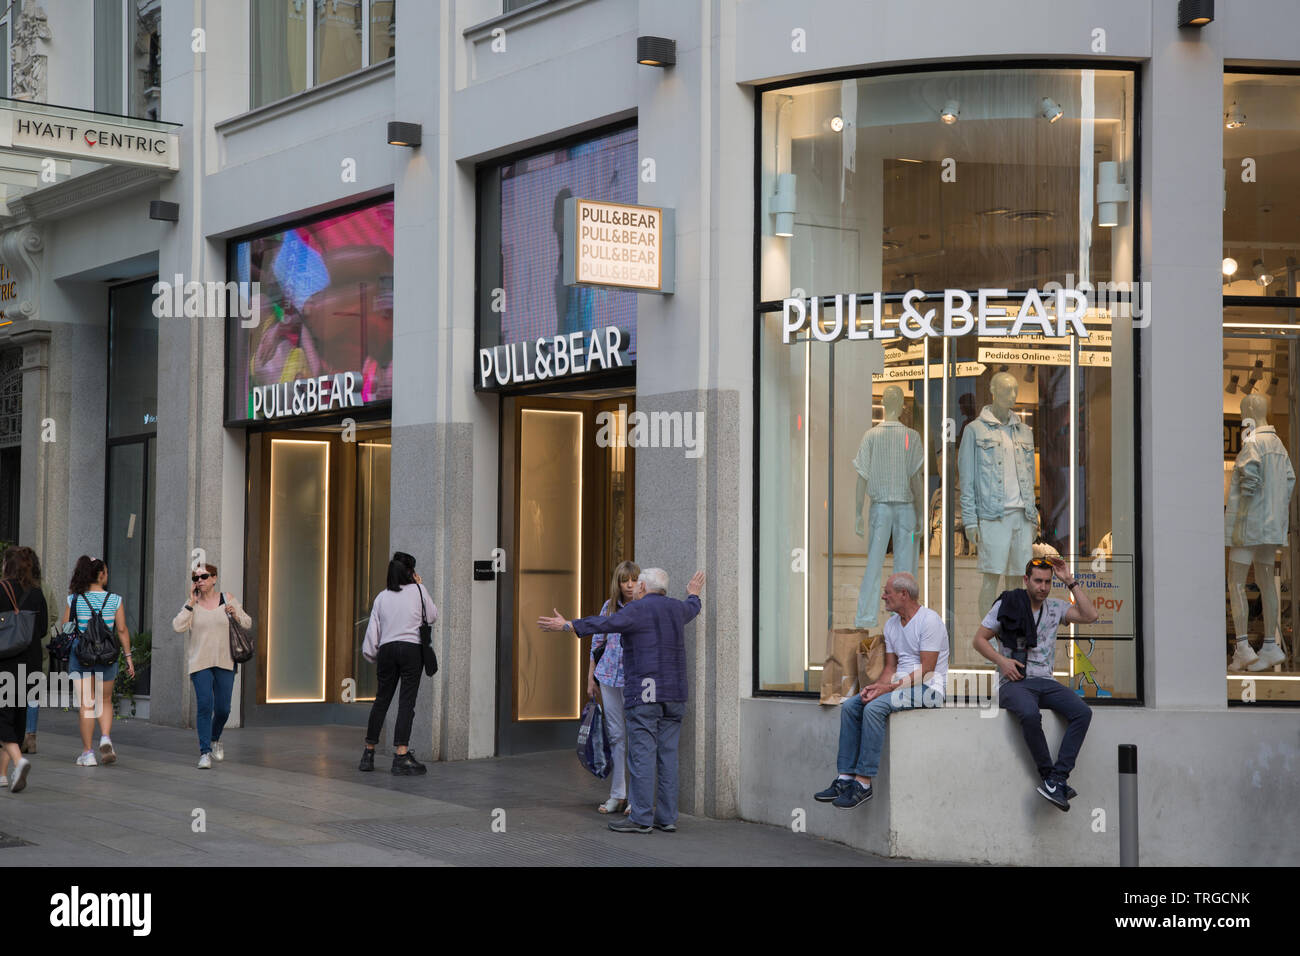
[(371, 554), (298, 579), (125, 529), (548, 667)]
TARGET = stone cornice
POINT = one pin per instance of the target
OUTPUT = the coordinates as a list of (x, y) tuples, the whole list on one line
[(85, 192)]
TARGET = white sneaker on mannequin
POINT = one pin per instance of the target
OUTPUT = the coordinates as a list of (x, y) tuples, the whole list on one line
[(1268, 655), (1243, 657)]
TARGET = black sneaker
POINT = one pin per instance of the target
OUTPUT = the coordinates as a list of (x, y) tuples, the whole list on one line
[(854, 795), (1069, 791), (367, 759), (1054, 792), (406, 765), (627, 826), (837, 787)]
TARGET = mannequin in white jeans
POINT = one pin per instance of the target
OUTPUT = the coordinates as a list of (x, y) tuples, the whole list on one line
[(889, 471), (1256, 525)]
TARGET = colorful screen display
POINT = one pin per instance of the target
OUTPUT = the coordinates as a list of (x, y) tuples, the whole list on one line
[(323, 340), (522, 295)]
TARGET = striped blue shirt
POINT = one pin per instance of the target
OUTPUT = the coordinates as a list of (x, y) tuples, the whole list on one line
[(105, 602)]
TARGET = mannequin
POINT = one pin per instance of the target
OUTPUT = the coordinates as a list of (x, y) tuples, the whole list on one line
[(1255, 526), (995, 466), (889, 471)]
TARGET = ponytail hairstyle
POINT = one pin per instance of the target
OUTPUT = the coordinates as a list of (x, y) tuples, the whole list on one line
[(85, 574), (401, 570), (626, 571)]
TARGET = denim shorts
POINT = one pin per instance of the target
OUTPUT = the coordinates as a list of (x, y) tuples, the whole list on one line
[(76, 668)]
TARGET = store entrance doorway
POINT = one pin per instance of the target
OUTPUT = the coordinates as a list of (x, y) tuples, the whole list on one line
[(566, 515)]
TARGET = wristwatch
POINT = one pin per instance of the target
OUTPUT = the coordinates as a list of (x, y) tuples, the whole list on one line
[(188, 608), (568, 625), (1070, 586)]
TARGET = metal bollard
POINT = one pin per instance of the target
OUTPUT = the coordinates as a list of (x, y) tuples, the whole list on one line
[(1128, 805)]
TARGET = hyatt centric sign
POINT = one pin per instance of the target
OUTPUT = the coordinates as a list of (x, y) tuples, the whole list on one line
[(959, 315)]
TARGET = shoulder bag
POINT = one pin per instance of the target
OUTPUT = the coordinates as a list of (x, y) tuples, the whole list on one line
[(95, 644), (242, 646), (16, 626), (426, 638)]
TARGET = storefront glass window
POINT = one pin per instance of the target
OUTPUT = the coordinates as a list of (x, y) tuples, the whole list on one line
[(320, 340), (1261, 420), (882, 455), (522, 295)]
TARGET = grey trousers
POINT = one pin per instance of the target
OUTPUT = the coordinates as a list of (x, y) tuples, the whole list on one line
[(653, 732)]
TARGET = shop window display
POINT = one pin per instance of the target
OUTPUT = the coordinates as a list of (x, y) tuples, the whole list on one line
[(1261, 427), (959, 458)]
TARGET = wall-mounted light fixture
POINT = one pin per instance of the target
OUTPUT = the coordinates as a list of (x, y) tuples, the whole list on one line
[(404, 134), (164, 211), (656, 51), (951, 110), (1110, 193), (1049, 109), (783, 205), (1234, 118), (837, 123), (1229, 267), (1195, 13)]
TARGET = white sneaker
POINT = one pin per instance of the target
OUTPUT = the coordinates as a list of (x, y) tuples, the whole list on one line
[(106, 752), (205, 762), (87, 760), (18, 775), (1242, 657), (218, 751), (1268, 655)]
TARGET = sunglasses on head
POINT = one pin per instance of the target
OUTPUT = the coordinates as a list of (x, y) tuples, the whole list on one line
[(1040, 563), (199, 577)]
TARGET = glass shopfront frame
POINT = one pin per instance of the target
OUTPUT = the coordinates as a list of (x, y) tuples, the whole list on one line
[(806, 448)]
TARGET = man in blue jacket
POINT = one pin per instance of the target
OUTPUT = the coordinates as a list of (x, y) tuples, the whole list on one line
[(654, 691)]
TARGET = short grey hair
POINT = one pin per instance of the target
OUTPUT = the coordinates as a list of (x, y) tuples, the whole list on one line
[(902, 581), (655, 579)]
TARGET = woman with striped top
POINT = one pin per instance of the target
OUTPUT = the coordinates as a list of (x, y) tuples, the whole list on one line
[(86, 591)]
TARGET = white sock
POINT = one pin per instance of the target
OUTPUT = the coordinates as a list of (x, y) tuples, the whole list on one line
[(845, 776), (104, 739), (1268, 641), (1243, 639)]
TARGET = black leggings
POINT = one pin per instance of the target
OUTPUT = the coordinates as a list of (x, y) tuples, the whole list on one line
[(397, 659)]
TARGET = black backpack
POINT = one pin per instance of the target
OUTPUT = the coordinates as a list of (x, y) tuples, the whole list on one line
[(96, 644)]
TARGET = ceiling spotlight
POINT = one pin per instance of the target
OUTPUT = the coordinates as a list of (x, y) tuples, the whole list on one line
[(1247, 388), (1257, 372), (1229, 266), (1029, 375), (1050, 110), (1262, 277), (950, 112), (1272, 386), (1232, 385), (837, 123), (1234, 118)]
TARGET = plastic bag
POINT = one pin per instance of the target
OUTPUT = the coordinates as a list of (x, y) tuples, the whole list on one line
[(593, 742)]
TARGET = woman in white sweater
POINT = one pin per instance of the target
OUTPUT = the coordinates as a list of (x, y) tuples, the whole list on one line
[(393, 644), (206, 616)]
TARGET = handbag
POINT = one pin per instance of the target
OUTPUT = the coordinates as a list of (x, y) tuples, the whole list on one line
[(242, 647), (16, 626), (426, 639), (593, 743), (95, 643)]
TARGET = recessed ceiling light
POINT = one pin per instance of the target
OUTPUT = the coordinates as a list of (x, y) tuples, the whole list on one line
[(902, 160), (890, 244), (995, 211), (1031, 215), (837, 124)]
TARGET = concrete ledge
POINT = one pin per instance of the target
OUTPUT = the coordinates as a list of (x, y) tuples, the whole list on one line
[(957, 786)]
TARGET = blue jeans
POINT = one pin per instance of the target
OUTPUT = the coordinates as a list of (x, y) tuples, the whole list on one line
[(886, 520), (33, 711), (653, 731), (1025, 698), (212, 689), (862, 726)]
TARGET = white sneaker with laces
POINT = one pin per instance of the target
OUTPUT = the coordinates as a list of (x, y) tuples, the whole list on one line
[(1242, 657), (205, 762), (87, 760), (1268, 655), (18, 775), (218, 751)]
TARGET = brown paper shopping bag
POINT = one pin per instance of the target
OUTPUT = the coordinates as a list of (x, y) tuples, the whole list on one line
[(871, 660), (840, 669)]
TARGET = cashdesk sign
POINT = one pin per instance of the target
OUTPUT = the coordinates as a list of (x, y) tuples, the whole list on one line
[(92, 136), (614, 245)]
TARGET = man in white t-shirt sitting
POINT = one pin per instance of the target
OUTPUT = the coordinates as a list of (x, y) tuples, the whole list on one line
[(915, 675)]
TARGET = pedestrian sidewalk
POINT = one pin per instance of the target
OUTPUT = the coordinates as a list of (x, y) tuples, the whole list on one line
[(292, 796)]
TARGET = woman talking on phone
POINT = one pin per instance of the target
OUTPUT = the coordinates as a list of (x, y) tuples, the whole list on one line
[(206, 615)]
